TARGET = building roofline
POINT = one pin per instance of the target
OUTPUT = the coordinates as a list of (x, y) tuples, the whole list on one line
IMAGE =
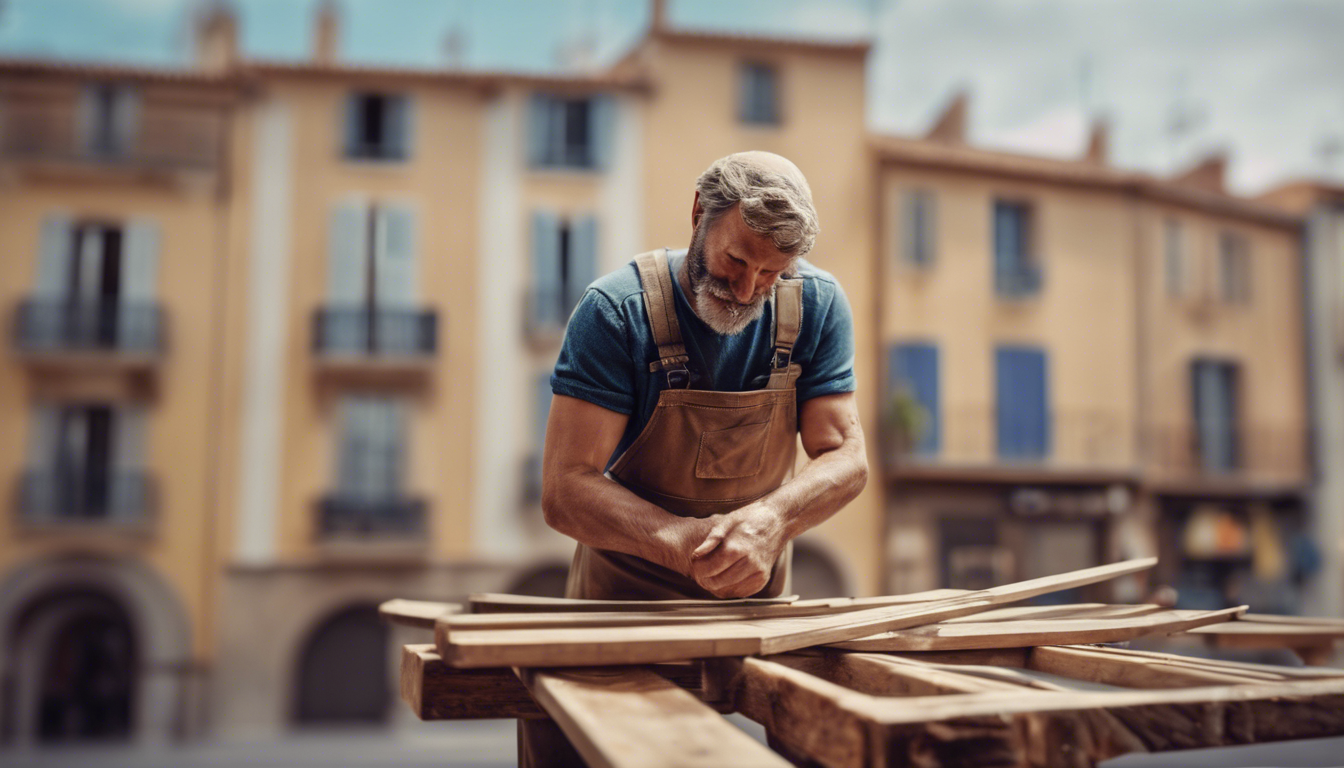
[(851, 47), (45, 67), (1081, 173), (261, 68)]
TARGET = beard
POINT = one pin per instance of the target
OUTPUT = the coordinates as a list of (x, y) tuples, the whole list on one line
[(713, 298)]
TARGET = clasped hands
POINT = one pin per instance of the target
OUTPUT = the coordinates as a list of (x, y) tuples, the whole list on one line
[(738, 553)]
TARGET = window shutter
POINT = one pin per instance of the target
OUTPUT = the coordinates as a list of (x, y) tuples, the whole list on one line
[(582, 261), (55, 253), (1005, 239), (1215, 414), (351, 470), (385, 456), (915, 366), (546, 287), (351, 126), (603, 135), (347, 277), (137, 326), (125, 119), (397, 131), (86, 120), (1022, 404), (128, 488), (540, 130), (396, 267)]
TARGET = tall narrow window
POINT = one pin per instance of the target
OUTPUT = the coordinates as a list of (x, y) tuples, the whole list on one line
[(758, 95), (371, 457), (918, 225), (1173, 246), (564, 262), (377, 126), (108, 120), (1023, 403), (912, 397), (1214, 392), (570, 131), (1017, 270), (86, 462), (1234, 260), (372, 282)]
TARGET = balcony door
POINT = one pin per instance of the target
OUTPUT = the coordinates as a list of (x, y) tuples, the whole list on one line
[(1214, 391), (85, 462), (371, 461), (371, 290)]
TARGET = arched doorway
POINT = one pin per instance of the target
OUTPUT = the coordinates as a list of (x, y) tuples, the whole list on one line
[(815, 573), (343, 671), (76, 659)]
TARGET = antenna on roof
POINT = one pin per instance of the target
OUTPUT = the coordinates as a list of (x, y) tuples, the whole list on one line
[(454, 45), (1183, 119)]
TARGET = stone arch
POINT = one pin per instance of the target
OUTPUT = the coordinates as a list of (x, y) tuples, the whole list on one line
[(352, 641), (819, 571), (157, 621)]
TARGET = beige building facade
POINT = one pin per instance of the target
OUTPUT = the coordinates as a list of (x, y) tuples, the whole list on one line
[(282, 334)]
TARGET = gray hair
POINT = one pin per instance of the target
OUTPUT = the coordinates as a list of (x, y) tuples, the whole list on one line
[(771, 203)]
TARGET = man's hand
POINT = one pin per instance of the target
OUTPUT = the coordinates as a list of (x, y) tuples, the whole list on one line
[(737, 556)]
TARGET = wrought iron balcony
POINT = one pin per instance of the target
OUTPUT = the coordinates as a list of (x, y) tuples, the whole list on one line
[(1019, 281), (361, 332), (66, 497), (1180, 452), (61, 325), (344, 515), (164, 138)]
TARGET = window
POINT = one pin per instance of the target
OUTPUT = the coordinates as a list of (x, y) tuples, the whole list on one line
[(371, 459), (377, 126), (570, 132), (564, 262), (1174, 250), (108, 120), (85, 462), (1234, 261), (371, 281), (95, 286), (912, 392), (1017, 272), (758, 99), (1022, 403), (1214, 392), (918, 222)]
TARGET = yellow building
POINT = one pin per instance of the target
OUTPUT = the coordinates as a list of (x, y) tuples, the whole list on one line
[(1085, 364), (282, 335)]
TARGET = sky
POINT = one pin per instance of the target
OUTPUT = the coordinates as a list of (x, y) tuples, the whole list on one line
[(1262, 80)]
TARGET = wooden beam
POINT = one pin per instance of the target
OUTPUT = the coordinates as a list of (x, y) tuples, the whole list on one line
[(598, 646), (493, 602), (436, 691), (951, 636), (881, 675), (415, 613), (1098, 666), (1269, 670), (632, 717)]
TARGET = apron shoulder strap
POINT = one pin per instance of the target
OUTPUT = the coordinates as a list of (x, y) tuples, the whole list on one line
[(788, 318), (660, 305)]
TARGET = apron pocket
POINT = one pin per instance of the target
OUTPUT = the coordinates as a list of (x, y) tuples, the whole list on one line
[(733, 452)]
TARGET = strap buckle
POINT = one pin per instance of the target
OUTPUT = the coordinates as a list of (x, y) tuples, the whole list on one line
[(678, 378), (783, 356)]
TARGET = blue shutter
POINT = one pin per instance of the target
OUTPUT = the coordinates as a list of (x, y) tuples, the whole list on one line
[(1005, 245), (1215, 414), (547, 291), (351, 128), (915, 367), (540, 130), (397, 127), (582, 261), (1023, 418), (603, 133)]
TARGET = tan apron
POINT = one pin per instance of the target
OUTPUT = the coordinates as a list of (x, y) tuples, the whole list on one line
[(702, 452)]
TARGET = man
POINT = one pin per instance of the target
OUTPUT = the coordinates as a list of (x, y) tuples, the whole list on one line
[(683, 383)]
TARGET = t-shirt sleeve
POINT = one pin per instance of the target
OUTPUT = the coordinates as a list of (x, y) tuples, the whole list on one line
[(595, 363), (831, 367)]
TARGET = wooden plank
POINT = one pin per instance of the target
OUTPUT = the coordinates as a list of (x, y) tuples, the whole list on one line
[(1059, 612), (1096, 665), (1021, 634), (643, 644), (1279, 671), (415, 613), (436, 691), (839, 727), (495, 602), (1279, 634), (881, 675), (632, 717)]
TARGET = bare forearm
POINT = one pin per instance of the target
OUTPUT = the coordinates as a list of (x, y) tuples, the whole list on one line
[(592, 509), (822, 488)]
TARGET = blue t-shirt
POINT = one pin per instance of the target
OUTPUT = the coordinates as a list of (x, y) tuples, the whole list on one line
[(609, 345)]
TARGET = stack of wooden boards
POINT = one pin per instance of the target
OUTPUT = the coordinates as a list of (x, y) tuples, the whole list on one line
[(949, 677)]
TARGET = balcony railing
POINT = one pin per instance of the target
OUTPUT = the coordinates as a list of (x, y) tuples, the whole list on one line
[(344, 515), (968, 436), (55, 325), (1019, 281), (1179, 452), (176, 138), (341, 331), (66, 497)]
